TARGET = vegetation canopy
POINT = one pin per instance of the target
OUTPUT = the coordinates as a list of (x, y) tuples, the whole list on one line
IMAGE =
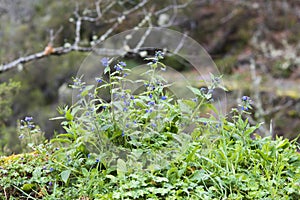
[(147, 144)]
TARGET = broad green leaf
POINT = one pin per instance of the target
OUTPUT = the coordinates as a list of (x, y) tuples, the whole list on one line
[(121, 167), (65, 175), (68, 115), (196, 91), (28, 187), (186, 106), (85, 172), (106, 69)]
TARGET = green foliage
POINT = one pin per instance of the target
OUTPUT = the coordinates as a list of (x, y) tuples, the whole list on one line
[(30, 134), (7, 93), (149, 145)]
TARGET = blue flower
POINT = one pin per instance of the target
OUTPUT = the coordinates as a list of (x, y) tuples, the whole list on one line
[(126, 103), (203, 89), (159, 54), (149, 111), (118, 67), (97, 160), (245, 108), (123, 64), (151, 103), (123, 134), (50, 183), (51, 169), (77, 81), (150, 96), (105, 61), (28, 119), (99, 80), (163, 98), (30, 126), (91, 95), (245, 98), (89, 155)]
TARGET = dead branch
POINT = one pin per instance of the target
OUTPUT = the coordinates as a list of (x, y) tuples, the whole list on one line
[(80, 19)]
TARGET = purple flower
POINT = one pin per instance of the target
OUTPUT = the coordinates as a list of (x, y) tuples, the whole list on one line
[(123, 64), (163, 98), (30, 126), (151, 103), (118, 67), (21, 137), (149, 111), (28, 119), (159, 54), (77, 81), (99, 80), (126, 103), (50, 183), (245, 98), (91, 95), (105, 61), (150, 96), (245, 108)]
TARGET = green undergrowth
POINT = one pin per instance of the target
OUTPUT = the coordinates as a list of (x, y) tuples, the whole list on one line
[(150, 145)]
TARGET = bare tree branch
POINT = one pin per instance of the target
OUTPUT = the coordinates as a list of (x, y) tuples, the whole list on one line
[(98, 13)]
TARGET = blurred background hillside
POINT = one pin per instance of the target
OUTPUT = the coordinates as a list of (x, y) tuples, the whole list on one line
[(255, 44)]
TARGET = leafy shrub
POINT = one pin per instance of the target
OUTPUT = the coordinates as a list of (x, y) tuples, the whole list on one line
[(150, 145)]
